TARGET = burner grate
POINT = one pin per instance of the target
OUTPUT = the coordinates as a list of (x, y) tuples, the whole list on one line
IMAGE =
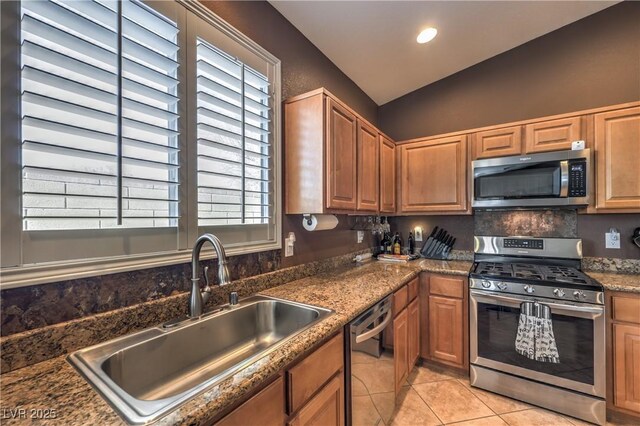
[(534, 272)]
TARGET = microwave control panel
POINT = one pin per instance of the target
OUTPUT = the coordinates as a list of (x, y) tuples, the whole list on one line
[(577, 178)]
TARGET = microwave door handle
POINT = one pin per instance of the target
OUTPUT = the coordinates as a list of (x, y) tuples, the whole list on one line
[(370, 333), (515, 302), (564, 179)]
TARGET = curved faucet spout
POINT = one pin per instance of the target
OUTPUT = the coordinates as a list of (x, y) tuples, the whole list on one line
[(197, 299)]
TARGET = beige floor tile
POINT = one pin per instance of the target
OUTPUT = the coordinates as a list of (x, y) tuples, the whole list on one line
[(385, 404), (412, 411), (535, 417), (378, 378), (485, 421), (430, 373), (498, 403), (362, 358), (364, 413), (357, 387), (451, 401)]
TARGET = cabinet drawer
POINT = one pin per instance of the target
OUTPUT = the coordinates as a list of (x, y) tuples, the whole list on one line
[(413, 289), (446, 286), (307, 377), (400, 299), (626, 309), (266, 408), (326, 408)]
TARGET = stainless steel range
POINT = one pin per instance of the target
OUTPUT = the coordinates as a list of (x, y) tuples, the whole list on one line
[(537, 325)]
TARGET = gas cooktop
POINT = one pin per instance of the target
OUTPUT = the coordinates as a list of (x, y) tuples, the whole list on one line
[(552, 275)]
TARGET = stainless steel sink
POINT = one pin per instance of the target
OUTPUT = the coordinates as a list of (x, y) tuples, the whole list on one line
[(147, 374)]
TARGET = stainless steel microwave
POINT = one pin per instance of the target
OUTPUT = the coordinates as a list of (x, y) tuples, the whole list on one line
[(561, 178)]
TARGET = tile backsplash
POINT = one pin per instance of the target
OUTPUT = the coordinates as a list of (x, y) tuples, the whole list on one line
[(535, 223)]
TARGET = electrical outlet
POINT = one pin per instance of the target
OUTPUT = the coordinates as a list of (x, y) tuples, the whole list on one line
[(612, 239), (288, 244), (418, 233), (360, 236)]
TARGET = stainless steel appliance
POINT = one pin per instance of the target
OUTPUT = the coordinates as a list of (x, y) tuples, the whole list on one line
[(511, 274), (369, 366), (562, 178)]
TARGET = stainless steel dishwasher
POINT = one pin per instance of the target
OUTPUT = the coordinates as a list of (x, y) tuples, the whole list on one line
[(369, 367)]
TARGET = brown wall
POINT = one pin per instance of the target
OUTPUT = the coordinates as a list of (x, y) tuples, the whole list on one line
[(304, 68), (590, 63)]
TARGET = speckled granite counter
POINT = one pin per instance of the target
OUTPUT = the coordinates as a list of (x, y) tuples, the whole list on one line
[(617, 282), (55, 385)]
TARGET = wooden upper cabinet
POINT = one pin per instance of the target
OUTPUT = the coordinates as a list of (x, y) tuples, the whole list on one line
[(617, 145), (498, 142), (434, 175), (553, 135), (341, 178), (368, 168), (387, 175)]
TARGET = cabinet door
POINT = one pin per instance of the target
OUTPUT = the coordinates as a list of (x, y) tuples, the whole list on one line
[(446, 330), (324, 409), (413, 345), (400, 349), (553, 135), (265, 408), (617, 144), (498, 142), (434, 175), (387, 175), (341, 157), (626, 366), (368, 168)]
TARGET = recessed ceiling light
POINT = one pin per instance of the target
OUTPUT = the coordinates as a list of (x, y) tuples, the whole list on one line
[(427, 35)]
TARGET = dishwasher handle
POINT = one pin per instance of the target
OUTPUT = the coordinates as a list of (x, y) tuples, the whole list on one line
[(370, 333)]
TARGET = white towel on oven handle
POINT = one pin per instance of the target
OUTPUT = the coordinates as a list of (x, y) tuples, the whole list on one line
[(525, 337), (535, 338)]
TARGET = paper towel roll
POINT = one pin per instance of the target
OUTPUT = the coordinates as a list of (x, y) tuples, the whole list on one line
[(319, 222)]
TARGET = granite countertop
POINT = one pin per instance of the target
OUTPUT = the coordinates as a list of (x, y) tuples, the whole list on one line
[(617, 281), (348, 291)]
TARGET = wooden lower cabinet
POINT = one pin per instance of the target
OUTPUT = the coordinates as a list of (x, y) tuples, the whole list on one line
[(400, 349), (623, 346), (413, 345), (444, 320), (324, 409), (266, 408)]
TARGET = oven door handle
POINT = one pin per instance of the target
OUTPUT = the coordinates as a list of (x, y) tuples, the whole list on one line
[(573, 308), (370, 333), (564, 179)]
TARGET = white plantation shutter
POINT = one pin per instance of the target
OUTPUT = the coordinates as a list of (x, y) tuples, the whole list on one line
[(235, 167), (99, 115)]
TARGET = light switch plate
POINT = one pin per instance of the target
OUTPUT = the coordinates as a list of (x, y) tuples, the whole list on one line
[(288, 244), (612, 240), (360, 236), (418, 233)]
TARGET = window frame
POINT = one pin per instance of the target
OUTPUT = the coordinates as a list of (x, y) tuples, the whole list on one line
[(14, 272)]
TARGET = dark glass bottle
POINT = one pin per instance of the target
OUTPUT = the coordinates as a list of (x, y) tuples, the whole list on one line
[(412, 246), (397, 244)]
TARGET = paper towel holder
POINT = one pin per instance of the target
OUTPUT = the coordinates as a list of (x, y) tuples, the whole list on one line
[(310, 221)]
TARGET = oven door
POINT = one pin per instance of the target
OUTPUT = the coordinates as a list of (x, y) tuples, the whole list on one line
[(578, 330)]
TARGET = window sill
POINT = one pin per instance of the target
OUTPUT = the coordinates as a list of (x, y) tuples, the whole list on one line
[(62, 271)]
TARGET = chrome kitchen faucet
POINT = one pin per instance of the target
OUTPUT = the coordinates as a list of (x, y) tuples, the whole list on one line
[(198, 298)]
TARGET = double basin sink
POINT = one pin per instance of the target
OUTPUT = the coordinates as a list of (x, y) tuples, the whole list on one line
[(147, 374)]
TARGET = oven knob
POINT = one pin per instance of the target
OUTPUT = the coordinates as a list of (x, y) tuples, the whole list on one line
[(529, 288), (558, 292), (578, 294), (502, 286), (486, 284)]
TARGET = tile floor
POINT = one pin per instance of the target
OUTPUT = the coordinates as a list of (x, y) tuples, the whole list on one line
[(436, 396)]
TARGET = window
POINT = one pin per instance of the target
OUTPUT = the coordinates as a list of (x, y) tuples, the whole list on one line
[(99, 108), (141, 125)]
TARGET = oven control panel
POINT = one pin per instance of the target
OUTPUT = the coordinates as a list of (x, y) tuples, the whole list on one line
[(536, 291), (523, 243)]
